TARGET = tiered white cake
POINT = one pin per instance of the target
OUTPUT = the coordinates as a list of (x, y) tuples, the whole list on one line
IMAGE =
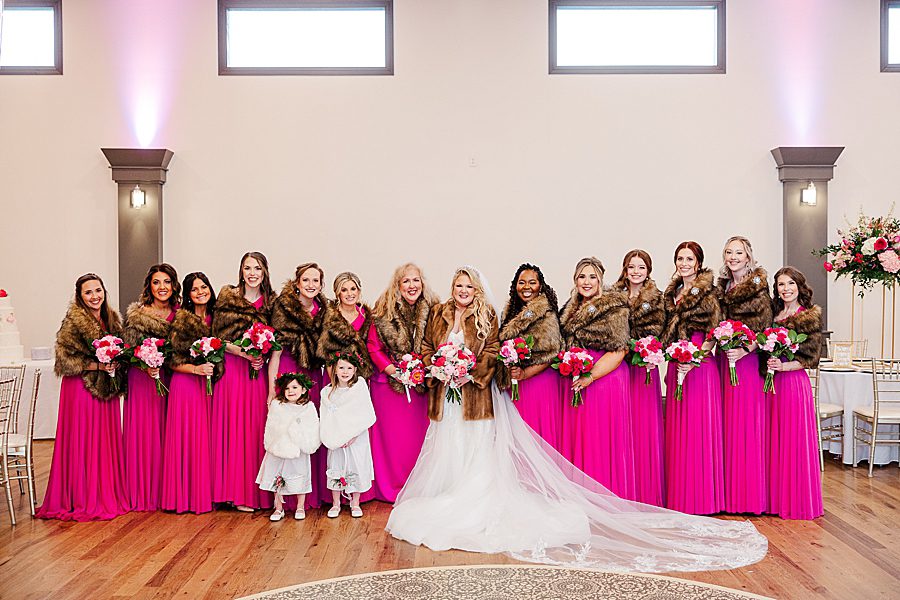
[(11, 349)]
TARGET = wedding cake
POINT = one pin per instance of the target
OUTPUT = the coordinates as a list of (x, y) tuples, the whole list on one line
[(11, 349)]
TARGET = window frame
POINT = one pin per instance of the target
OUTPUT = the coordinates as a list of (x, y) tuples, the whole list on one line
[(887, 67), (718, 68), (57, 68), (225, 5)]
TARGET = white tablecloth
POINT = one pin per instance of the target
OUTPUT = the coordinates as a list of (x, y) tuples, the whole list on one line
[(853, 389), (47, 401)]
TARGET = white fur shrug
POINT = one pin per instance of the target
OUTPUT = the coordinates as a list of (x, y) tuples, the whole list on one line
[(346, 414), (291, 429)]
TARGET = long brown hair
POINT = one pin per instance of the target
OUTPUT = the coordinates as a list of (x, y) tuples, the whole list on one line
[(804, 292), (147, 292), (104, 308), (641, 254), (265, 286), (188, 304), (516, 305), (693, 247)]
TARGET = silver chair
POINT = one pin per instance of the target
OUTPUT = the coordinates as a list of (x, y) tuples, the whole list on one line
[(16, 448), (833, 415), (885, 409), (16, 372)]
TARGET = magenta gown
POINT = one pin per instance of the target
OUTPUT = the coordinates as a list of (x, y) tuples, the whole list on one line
[(87, 475), (693, 456), (596, 436), (745, 417), (399, 429), (144, 433), (540, 405), (647, 427), (238, 421)]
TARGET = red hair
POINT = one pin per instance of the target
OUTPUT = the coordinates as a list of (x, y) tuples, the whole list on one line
[(693, 247)]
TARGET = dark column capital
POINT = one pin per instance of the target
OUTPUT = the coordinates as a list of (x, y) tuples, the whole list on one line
[(138, 165), (806, 163)]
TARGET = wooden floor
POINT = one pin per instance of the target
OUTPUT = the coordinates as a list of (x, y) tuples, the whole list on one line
[(851, 552)]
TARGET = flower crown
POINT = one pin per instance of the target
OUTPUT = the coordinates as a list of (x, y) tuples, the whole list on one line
[(284, 379), (349, 355)]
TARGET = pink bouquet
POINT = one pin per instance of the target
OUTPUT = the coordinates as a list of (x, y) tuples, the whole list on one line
[(778, 342), (513, 353), (151, 354), (108, 349), (683, 352), (573, 363), (730, 335), (208, 350), (452, 365), (647, 352), (258, 341), (410, 372)]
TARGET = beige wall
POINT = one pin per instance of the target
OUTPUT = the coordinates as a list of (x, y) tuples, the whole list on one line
[(362, 173)]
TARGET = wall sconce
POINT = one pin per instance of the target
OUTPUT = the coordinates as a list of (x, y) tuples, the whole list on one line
[(139, 198), (808, 195)]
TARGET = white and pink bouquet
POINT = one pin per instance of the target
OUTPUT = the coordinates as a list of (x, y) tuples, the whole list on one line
[(513, 353), (730, 335), (108, 349), (258, 341), (683, 352), (647, 352), (151, 353), (410, 372), (574, 363), (452, 365), (778, 342), (208, 350)]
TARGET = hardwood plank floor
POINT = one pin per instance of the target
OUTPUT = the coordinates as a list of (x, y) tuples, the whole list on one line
[(851, 552)]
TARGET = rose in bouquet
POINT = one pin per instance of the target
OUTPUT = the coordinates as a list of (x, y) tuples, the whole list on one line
[(514, 353), (452, 365), (410, 372), (258, 341), (151, 353), (731, 335), (778, 342), (683, 352), (208, 350), (574, 363), (647, 352), (109, 349)]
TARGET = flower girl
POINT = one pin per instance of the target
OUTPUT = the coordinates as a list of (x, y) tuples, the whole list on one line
[(291, 436), (347, 415)]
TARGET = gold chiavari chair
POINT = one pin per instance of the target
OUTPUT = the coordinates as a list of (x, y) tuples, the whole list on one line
[(829, 417), (885, 409)]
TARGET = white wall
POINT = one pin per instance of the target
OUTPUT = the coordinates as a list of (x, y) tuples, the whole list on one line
[(362, 173)]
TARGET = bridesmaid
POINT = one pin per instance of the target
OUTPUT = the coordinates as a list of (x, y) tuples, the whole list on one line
[(187, 458), (596, 436), (87, 475), (239, 412), (144, 421), (646, 317), (693, 456), (400, 317), (795, 485), (297, 316), (743, 291), (532, 310)]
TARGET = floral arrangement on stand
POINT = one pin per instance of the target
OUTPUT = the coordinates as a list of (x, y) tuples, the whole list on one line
[(868, 253)]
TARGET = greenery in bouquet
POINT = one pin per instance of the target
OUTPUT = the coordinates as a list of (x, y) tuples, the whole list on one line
[(867, 252)]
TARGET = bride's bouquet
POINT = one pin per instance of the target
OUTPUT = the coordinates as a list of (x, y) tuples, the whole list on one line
[(647, 352), (151, 354), (573, 363), (208, 350), (683, 352), (452, 365), (258, 341), (778, 342), (410, 372), (730, 335), (513, 353)]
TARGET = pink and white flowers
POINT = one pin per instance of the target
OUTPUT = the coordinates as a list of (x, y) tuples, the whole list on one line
[(647, 352), (410, 372), (513, 353), (151, 354), (258, 341), (730, 335), (452, 365), (778, 342), (574, 362), (683, 352), (208, 350), (108, 349)]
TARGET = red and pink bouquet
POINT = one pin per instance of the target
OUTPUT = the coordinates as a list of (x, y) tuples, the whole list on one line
[(410, 372), (647, 352), (258, 341), (778, 342), (574, 363), (683, 352), (730, 335), (151, 354), (452, 365), (513, 353), (108, 349), (208, 350)]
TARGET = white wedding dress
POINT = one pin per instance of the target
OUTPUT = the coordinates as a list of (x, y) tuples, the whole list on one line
[(495, 486)]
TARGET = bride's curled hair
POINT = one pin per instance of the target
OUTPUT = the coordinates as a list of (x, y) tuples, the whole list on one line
[(484, 312)]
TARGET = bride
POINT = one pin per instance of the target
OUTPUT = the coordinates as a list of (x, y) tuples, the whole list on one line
[(485, 482)]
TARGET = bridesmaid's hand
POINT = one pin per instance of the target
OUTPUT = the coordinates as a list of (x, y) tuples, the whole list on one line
[(206, 369), (775, 364), (108, 367), (685, 368), (256, 362), (390, 370), (735, 354), (582, 382), (153, 372), (517, 373)]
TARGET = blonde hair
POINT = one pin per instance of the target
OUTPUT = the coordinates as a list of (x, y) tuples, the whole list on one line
[(341, 279), (390, 299), (725, 272), (594, 263), (480, 305)]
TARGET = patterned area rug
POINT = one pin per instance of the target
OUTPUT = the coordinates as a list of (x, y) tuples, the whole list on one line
[(502, 582)]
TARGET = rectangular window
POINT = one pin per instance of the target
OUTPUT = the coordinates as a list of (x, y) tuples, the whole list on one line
[(890, 35), (297, 37), (637, 36), (31, 37)]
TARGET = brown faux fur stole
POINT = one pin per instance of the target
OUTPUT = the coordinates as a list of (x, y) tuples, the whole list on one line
[(338, 334), (140, 324), (404, 332), (647, 315), (600, 323), (809, 322), (749, 301), (298, 331), (187, 328), (234, 315), (538, 320), (75, 351), (698, 309)]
